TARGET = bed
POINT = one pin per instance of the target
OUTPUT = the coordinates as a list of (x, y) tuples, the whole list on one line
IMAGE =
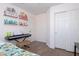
[(8, 49)]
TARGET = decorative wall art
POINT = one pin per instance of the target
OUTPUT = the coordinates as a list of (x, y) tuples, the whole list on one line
[(10, 12), (12, 22), (23, 16), (17, 18)]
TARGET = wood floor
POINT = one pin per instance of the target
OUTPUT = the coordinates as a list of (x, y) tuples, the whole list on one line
[(43, 50)]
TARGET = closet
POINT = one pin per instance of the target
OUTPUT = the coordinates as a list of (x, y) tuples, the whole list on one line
[(66, 29)]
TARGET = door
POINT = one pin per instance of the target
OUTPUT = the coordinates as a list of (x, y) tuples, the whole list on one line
[(61, 30), (73, 35), (66, 29)]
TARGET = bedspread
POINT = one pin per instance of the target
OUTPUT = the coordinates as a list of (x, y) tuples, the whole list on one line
[(8, 49)]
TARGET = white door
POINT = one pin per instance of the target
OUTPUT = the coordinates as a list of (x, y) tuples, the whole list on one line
[(73, 30), (66, 30), (61, 30)]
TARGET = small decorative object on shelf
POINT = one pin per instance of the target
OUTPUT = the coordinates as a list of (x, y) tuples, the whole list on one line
[(23, 16), (7, 34), (13, 22), (10, 12)]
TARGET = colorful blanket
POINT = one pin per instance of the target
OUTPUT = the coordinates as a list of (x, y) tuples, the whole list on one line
[(9, 49)]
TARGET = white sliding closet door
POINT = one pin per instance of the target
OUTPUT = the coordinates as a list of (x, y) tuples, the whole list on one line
[(74, 30), (61, 30), (66, 29)]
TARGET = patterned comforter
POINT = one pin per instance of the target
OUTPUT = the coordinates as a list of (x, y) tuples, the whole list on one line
[(9, 49)]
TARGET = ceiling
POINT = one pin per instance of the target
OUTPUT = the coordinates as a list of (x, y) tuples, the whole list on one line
[(36, 8)]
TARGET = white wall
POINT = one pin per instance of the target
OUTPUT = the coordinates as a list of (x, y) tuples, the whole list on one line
[(13, 28), (40, 25), (51, 26), (33, 27)]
